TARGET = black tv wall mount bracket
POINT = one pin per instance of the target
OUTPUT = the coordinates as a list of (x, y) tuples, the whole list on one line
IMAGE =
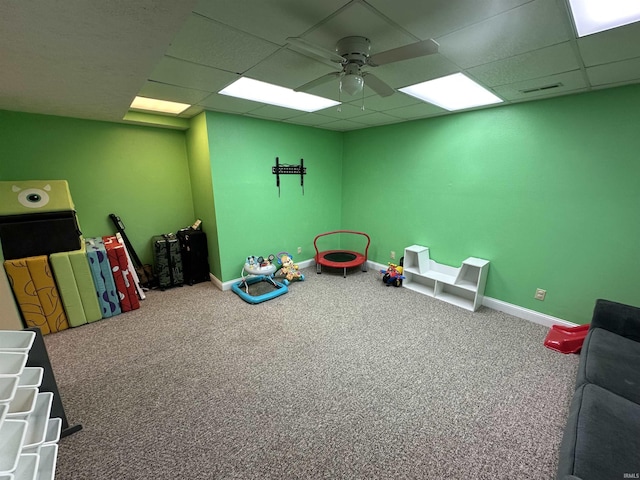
[(284, 169)]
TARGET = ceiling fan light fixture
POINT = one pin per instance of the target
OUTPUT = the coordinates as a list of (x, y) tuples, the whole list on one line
[(351, 83), (353, 54)]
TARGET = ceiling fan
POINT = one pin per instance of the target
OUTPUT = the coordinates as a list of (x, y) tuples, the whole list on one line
[(352, 54)]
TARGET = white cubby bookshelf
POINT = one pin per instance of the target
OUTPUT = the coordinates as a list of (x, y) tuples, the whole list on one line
[(462, 286), (28, 435)]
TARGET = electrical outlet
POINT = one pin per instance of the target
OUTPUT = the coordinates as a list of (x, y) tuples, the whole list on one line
[(540, 294), (299, 249), (393, 255)]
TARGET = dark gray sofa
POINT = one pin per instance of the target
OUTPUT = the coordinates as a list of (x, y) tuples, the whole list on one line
[(601, 440)]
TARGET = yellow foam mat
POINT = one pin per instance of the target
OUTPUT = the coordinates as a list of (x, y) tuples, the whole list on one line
[(37, 294), (26, 295)]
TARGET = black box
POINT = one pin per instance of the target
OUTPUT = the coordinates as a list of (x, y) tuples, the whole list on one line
[(33, 234), (195, 255)]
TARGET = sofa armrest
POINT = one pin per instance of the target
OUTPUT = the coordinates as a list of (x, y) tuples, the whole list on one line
[(617, 318)]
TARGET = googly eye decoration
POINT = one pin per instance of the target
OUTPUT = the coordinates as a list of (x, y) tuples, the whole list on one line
[(33, 197)]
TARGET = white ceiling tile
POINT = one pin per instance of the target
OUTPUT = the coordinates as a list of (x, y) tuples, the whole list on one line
[(376, 103), (417, 110), (359, 20), (312, 119), (538, 63), (532, 26), (331, 90), (226, 103), (615, 73), (571, 82), (343, 125), (207, 42), (416, 70), (172, 93), (274, 112), (288, 69), (192, 111), (292, 17), (436, 18), (378, 118), (191, 75), (345, 110), (611, 45), (71, 59), (79, 59)]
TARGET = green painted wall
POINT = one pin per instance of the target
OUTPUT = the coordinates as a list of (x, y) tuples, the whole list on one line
[(138, 173), (251, 218), (202, 186), (547, 191)]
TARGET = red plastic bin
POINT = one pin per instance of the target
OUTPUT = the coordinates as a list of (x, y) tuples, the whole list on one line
[(566, 339)]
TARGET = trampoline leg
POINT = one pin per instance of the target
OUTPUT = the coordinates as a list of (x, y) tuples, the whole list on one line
[(345, 272), (364, 267), (318, 268)]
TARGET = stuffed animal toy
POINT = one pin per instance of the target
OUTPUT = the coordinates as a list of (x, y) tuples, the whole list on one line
[(289, 270)]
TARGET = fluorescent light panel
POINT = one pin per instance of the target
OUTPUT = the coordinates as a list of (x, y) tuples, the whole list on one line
[(257, 91), (453, 92), (593, 16), (161, 106)]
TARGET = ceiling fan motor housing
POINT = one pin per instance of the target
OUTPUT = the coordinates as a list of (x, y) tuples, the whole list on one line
[(353, 53), (354, 49)]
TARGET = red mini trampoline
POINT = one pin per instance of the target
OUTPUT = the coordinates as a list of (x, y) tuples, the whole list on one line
[(341, 258)]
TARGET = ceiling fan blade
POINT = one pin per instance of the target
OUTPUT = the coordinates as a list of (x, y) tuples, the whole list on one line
[(306, 46), (377, 85), (413, 50), (318, 81)]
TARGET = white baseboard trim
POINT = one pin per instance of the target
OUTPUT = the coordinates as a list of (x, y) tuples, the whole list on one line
[(525, 313), (228, 284), (306, 263), (493, 303), (511, 309), (376, 266), (216, 281)]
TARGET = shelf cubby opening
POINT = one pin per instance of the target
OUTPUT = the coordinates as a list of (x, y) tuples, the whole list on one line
[(419, 283)]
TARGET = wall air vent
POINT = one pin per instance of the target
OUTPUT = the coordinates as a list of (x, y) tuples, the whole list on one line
[(541, 89)]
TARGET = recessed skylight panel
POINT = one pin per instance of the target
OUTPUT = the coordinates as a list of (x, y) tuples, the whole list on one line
[(159, 106), (257, 91), (453, 92), (593, 16)]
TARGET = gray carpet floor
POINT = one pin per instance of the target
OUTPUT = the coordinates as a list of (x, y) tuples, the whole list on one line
[(337, 379)]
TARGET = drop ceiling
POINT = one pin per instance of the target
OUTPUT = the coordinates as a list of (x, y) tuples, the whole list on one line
[(89, 60)]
